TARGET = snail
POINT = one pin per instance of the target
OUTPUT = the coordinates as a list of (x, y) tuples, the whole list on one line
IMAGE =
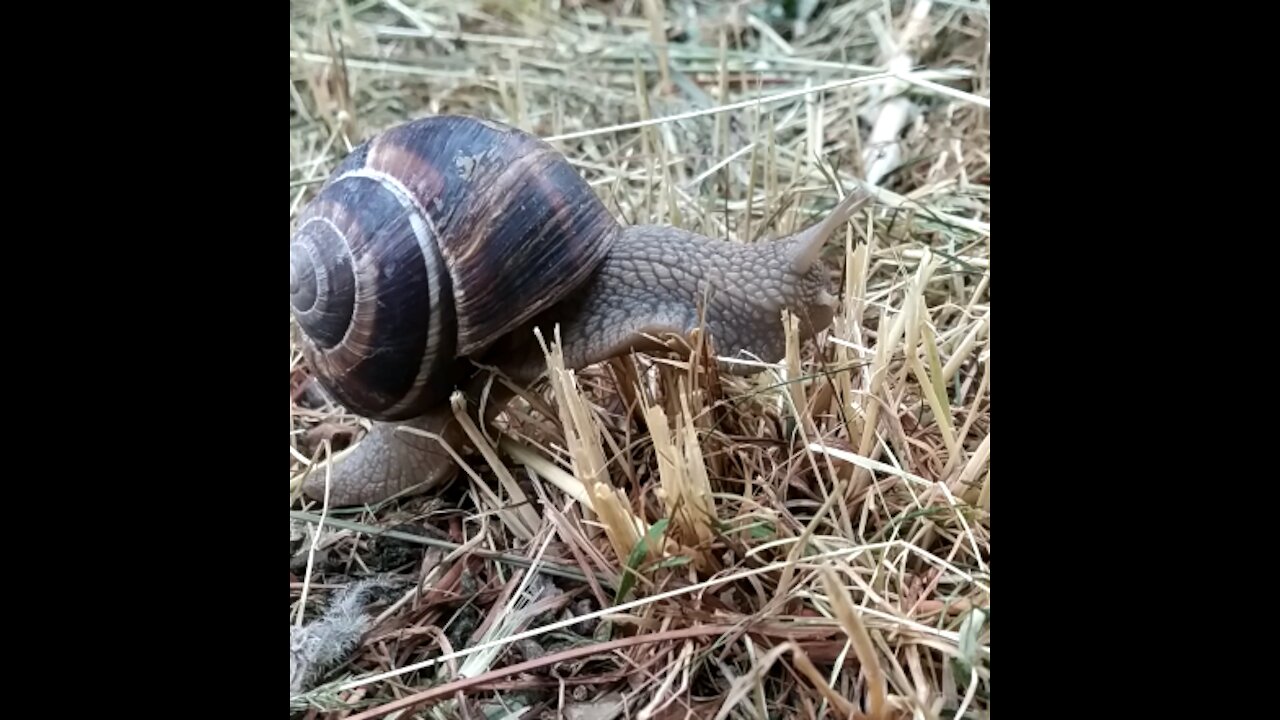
[(437, 246)]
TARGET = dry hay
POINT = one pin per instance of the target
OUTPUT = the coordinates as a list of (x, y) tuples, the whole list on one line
[(811, 539)]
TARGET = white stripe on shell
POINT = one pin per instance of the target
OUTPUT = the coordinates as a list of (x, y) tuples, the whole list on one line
[(424, 230)]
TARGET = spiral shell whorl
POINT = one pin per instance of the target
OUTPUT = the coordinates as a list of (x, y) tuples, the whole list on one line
[(370, 292), (321, 282), (429, 243)]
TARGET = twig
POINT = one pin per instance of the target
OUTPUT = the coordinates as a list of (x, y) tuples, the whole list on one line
[(549, 568), (778, 97), (850, 553), (315, 538), (451, 688)]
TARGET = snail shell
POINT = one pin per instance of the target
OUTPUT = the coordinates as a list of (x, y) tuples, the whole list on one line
[(429, 243)]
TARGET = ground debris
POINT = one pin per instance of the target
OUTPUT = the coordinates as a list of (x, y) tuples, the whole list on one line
[(329, 639)]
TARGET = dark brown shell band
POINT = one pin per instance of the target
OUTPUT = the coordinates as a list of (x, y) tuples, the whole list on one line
[(397, 336)]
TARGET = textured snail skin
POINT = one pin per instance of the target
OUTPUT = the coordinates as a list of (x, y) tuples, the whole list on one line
[(653, 283), (650, 280), (394, 458)]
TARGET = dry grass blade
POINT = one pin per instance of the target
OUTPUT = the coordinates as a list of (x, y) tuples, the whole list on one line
[(522, 521), (685, 489), (900, 624), (315, 539), (965, 485), (746, 683), (583, 437), (807, 668), (845, 611), (883, 151), (447, 689)]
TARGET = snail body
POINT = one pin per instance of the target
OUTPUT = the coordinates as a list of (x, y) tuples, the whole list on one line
[(442, 243)]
